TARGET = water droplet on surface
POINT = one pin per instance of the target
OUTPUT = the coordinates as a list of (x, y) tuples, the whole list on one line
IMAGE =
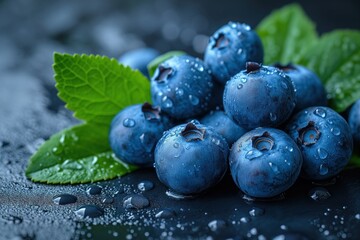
[(107, 200), (91, 211), (274, 167), (135, 202), (216, 225), (243, 80), (322, 153), (357, 216), (239, 51), (320, 112), (179, 92), (129, 122), (284, 85), (145, 185), (253, 231), (323, 170), (246, 27), (253, 154), (165, 213), (245, 219), (239, 86), (94, 190), (176, 145), (273, 117), (63, 199), (283, 227), (166, 102), (178, 196), (335, 131), (291, 149), (194, 100), (255, 212), (319, 194)]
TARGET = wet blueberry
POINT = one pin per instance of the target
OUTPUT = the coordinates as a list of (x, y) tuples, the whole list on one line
[(139, 59), (223, 125), (265, 162), (182, 86), (354, 122), (135, 131), (230, 47), (191, 158), (325, 140), (259, 96), (309, 91)]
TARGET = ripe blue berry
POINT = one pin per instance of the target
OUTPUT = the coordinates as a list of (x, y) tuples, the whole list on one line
[(265, 162), (325, 140), (309, 91), (182, 86), (139, 59), (354, 122), (259, 96), (135, 131), (223, 125), (191, 158), (230, 47)]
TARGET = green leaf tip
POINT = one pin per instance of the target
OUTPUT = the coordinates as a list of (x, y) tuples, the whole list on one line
[(162, 58)]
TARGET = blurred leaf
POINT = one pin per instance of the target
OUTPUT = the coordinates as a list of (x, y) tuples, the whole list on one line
[(285, 34)]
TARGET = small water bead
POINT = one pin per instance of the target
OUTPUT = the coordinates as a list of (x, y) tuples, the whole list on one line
[(94, 190), (322, 153), (129, 122), (179, 92), (178, 196), (253, 154), (283, 227), (335, 131), (135, 202), (244, 80), (216, 225), (63, 199), (255, 212), (167, 102), (91, 211), (245, 219), (239, 86), (323, 170), (274, 167), (273, 117), (145, 185), (284, 85), (194, 100), (357, 216), (176, 145), (320, 112), (165, 213), (239, 51), (246, 27), (319, 194), (107, 200)]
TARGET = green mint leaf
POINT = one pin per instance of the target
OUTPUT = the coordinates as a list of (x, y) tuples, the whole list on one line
[(336, 60), (355, 160), (96, 87), (285, 34), (78, 154), (155, 63)]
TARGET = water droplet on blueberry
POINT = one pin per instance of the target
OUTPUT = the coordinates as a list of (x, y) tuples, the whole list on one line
[(320, 112), (129, 122), (322, 153), (166, 102), (323, 170), (194, 100), (335, 131)]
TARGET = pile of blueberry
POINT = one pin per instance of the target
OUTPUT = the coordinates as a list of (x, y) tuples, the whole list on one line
[(267, 124)]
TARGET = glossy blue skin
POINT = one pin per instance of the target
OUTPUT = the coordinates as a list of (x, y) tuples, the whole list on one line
[(191, 167), (223, 125), (187, 91), (139, 59), (309, 89), (228, 55), (354, 122), (331, 152), (267, 173), (135, 145), (263, 98)]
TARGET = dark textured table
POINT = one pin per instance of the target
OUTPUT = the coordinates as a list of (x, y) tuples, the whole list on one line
[(30, 112)]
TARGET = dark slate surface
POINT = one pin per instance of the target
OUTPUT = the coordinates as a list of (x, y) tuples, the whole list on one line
[(30, 112)]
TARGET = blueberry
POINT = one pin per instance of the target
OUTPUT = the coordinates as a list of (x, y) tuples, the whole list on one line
[(265, 162), (259, 96), (139, 59), (223, 125), (191, 158), (135, 131), (182, 86), (230, 47), (325, 140), (354, 122), (309, 91)]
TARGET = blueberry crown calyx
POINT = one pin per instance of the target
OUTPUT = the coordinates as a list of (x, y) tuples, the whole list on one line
[(151, 112), (192, 133), (308, 135), (163, 73), (252, 67), (264, 142)]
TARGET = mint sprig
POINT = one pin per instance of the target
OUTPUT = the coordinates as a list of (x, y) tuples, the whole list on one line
[(96, 88)]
